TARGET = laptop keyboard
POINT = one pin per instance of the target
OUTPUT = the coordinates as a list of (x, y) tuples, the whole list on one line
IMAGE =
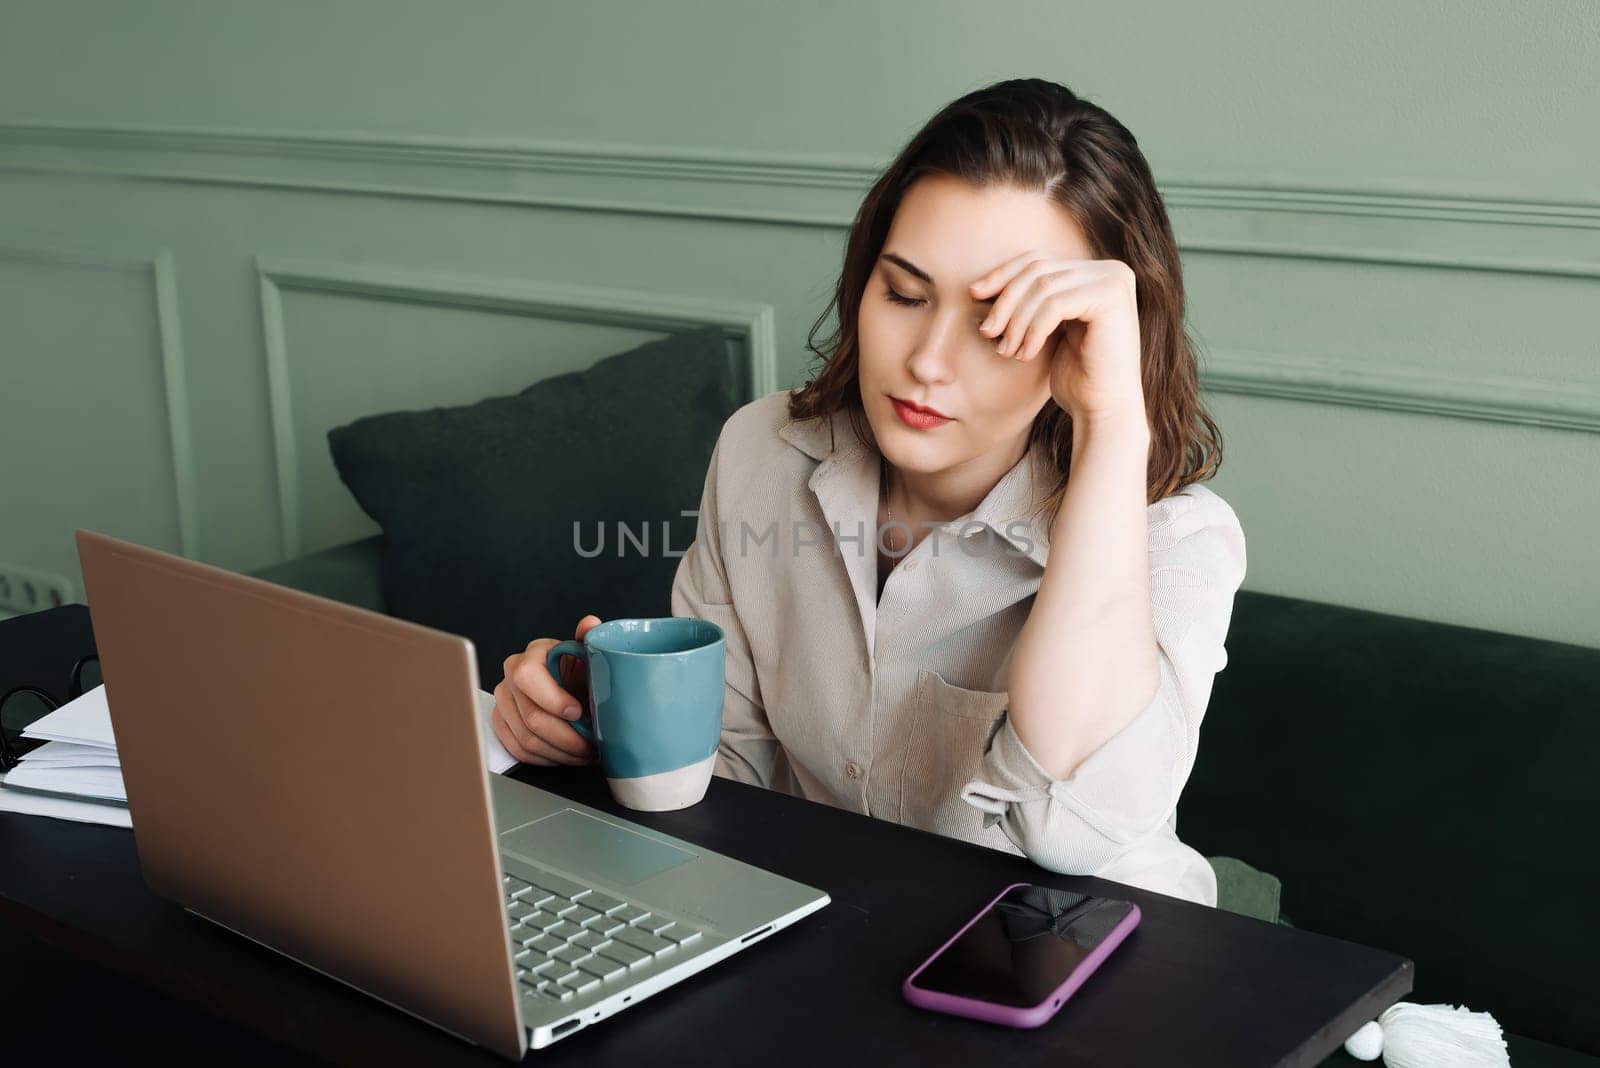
[(570, 939)]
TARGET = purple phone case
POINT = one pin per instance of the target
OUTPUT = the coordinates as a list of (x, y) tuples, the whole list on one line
[(1013, 1015)]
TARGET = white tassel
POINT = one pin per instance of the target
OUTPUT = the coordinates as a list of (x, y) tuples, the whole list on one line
[(1425, 1036)]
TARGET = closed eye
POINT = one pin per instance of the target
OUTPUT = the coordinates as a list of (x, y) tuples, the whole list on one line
[(909, 302)]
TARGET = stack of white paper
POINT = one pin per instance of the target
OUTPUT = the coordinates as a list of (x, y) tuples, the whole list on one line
[(77, 765), (79, 755), (64, 808), (79, 758)]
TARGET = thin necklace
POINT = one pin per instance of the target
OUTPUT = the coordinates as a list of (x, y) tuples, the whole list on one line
[(884, 481)]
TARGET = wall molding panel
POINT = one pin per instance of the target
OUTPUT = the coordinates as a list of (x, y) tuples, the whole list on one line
[(788, 188), (1491, 398), (752, 324), (159, 266), (1384, 223)]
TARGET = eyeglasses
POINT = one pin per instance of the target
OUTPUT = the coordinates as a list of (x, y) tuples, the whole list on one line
[(23, 705)]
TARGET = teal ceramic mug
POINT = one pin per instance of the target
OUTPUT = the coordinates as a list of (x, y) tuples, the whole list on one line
[(655, 701)]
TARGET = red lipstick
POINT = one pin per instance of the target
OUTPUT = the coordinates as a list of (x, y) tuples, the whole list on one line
[(918, 417)]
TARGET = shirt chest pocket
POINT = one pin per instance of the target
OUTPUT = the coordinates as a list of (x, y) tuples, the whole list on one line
[(952, 727)]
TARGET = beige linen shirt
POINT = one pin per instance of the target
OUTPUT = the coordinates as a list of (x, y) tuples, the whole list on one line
[(897, 708)]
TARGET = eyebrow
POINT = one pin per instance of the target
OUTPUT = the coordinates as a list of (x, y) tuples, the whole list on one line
[(907, 265)]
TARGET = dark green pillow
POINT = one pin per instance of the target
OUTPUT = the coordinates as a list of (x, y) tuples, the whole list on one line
[(478, 503), (1247, 890)]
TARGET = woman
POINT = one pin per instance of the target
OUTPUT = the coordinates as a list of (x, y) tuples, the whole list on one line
[(1010, 409)]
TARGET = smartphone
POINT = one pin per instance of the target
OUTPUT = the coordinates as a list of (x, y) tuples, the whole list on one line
[(1019, 959)]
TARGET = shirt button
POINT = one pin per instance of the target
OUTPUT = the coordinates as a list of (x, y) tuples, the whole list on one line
[(853, 770), (911, 565)]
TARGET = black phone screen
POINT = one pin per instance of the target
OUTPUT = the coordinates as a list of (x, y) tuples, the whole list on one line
[(1024, 946)]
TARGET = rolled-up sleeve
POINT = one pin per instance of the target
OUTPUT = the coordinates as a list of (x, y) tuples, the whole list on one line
[(1125, 790), (748, 751)]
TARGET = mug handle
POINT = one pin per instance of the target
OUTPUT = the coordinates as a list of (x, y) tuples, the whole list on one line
[(552, 663)]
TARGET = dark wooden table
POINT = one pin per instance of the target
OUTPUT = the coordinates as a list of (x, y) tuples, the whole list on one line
[(1192, 985)]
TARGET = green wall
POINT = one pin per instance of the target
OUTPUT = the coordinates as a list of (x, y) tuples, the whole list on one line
[(226, 227)]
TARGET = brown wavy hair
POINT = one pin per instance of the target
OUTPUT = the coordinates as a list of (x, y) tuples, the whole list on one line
[(1037, 135)]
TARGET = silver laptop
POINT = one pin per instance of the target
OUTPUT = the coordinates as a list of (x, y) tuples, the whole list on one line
[(310, 775)]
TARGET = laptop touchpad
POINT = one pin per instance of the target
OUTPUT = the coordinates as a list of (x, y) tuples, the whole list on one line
[(598, 848)]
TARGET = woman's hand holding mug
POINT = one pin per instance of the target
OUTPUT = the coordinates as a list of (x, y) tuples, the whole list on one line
[(530, 706)]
